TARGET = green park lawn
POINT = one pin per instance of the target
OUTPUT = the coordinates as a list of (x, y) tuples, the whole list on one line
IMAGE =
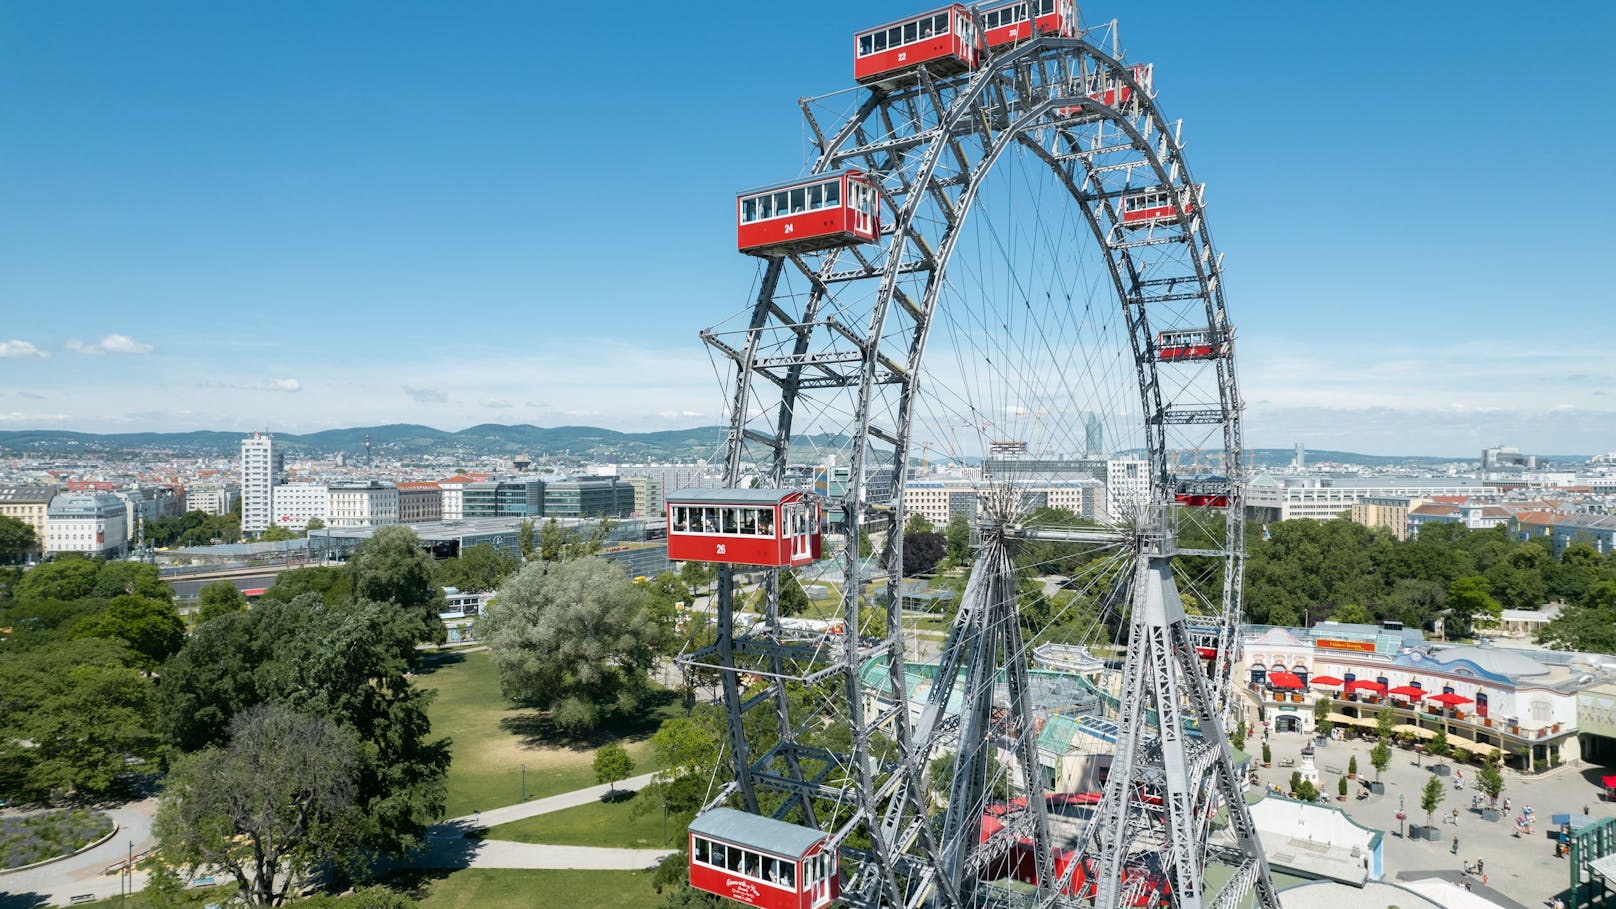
[(494, 738), (623, 824), (483, 888)]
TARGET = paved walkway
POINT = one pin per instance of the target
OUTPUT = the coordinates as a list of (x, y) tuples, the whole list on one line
[(536, 807), (58, 882), (1524, 868), (448, 847)]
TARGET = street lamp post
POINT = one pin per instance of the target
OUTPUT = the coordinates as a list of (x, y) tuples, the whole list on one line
[(524, 782)]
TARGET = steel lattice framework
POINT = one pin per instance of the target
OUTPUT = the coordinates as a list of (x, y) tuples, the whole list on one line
[(994, 181)]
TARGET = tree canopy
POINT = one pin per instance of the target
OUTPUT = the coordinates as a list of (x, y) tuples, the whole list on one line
[(1307, 570), (347, 664), (16, 539), (391, 567), (73, 713), (217, 599), (479, 568), (270, 807), (573, 637), (152, 628)]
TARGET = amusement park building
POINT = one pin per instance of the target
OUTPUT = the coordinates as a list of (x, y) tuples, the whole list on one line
[(1506, 700), (1075, 741)]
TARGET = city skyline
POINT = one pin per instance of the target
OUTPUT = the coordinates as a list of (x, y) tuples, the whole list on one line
[(368, 214)]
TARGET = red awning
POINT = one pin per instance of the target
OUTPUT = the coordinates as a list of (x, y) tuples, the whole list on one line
[(1360, 685), (1326, 681), (1609, 781), (1284, 680), (1408, 691), (1447, 699)]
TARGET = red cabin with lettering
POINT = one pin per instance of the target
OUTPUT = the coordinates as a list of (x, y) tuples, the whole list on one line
[(760, 861), (1157, 206), (1191, 344), (820, 212), (772, 527), (1007, 24), (944, 41)]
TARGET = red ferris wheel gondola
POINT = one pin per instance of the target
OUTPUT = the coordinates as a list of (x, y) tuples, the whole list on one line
[(813, 213)]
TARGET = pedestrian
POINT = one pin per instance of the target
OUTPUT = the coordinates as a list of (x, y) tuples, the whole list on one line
[(1506, 803), (1481, 864), (1455, 845), (1585, 809)]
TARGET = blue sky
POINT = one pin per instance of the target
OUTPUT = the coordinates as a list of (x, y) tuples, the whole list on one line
[(307, 214)]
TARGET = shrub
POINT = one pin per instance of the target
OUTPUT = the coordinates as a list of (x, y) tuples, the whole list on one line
[(37, 837)]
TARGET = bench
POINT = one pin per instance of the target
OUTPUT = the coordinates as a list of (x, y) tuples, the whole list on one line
[(82, 898)]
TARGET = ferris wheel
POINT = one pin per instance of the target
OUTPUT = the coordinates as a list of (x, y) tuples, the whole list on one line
[(992, 301)]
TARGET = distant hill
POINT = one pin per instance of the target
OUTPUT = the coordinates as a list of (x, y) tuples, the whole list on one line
[(580, 442), (398, 439)]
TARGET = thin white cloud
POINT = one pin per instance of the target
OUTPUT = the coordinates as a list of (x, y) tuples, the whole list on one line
[(113, 343), (19, 417), (426, 395), (495, 403), (21, 350), (282, 385)]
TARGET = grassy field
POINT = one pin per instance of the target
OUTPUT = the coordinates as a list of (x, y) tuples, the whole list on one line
[(493, 738), (623, 824), (484, 888)]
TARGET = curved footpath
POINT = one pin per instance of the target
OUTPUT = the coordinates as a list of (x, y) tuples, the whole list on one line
[(447, 847), (80, 875)]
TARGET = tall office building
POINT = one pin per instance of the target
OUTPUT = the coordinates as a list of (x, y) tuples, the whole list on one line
[(261, 466)]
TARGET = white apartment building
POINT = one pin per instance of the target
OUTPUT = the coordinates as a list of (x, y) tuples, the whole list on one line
[(369, 504), (940, 500), (261, 468), (1271, 498), (454, 496), (93, 523), (296, 503), (212, 499), (1127, 487)]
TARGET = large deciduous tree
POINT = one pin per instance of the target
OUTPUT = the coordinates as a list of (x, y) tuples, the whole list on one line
[(573, 637), (922, 551), (391, 567), (135, 578), (270, 807), (67, 578), (479, 568), (347, 664), (72, 716), (16, 539), (1589, 625), (217, 599), (152, 628)]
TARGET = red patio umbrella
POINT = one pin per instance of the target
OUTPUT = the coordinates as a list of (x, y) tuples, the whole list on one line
[(1448, 699), (1371, 687), (1325, 681), (1285, 680), (1408, 691)]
